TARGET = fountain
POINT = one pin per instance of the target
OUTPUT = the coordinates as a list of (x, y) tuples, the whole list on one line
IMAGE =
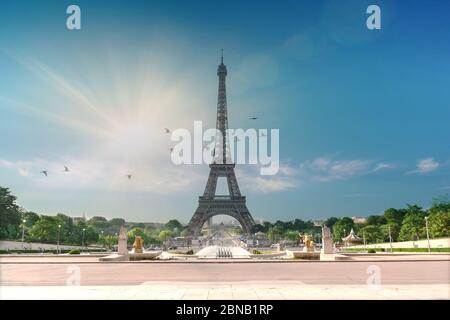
[(218, 252), (137, 253)]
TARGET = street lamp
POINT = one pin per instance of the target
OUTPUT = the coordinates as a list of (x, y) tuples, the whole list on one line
[(82, 247), (59, 233), (390, 238), (364, 239), (345, 244), (23, 233), (428, 234)]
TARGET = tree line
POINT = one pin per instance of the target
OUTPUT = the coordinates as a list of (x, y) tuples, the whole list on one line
[(15, 220), (404, 224)]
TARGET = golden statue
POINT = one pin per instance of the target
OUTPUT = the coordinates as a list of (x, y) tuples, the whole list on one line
[(138, 245), (309, 244)]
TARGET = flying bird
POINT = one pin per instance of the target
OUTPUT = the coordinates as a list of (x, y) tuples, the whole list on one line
[(129, 176), (253, 118), (263, 134), (45, 172), (171, 149), (66, 169), (166, 130)]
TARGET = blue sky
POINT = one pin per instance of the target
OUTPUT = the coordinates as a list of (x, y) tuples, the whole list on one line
[(363, 114)]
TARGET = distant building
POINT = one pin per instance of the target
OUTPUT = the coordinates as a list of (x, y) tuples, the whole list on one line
[(259, 239), (359, 219), (79, 219), (318, 223)]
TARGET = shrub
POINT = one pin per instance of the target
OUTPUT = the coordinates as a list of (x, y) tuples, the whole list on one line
[(190, 252), (382, 249), (256, 251), (74, 251), (371, 251)]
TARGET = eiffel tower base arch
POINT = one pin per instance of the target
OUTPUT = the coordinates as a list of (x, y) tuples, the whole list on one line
[(235, 208)]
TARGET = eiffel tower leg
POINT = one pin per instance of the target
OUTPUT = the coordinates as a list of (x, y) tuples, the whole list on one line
[(198, 219), (245, 218)]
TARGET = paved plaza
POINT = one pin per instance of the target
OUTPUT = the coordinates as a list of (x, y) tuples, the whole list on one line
[(251, 290), (222, 280)]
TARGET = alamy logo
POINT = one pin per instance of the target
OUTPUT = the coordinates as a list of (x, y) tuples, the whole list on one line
[(374, 279), (374, 20), (74, 20), (74, 278), (207, 147)]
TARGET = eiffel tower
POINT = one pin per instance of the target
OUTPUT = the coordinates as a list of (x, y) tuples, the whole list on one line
[(211, 204)]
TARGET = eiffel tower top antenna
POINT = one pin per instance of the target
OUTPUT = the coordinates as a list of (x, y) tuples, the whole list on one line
[(221, 149)]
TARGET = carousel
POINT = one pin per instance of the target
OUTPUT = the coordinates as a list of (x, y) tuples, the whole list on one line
[(351, 239)]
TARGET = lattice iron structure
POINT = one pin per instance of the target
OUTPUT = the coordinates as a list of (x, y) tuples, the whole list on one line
[(211, 204)]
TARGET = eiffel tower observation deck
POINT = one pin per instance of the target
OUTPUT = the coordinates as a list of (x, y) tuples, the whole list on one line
[(211, 204)]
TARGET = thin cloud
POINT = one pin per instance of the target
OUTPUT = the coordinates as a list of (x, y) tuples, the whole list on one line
[(251, 181), (425, 166), (324, 169), (383, 166)]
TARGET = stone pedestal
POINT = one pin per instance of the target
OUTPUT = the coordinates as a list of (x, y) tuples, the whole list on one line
[(123, 238), (327, 241)]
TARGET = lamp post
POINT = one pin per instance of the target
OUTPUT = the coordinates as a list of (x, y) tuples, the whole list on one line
[(59, 233), (320, 240), (345, 243), (82, 244), (428, 234), (364, 239), (23, 233), (390, 238)]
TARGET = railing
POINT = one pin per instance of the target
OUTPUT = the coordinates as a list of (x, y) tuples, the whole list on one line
[(241, 198), (222, 197)]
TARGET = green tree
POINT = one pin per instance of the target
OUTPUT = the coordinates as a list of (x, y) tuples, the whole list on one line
[(331, 221), (394, 216), (267, 225), (99, 223), (275, 232), (137, 232), (67, 227), (342, 228), (236, 230), (184, 232), (439, 218), (164, 235), (46, 229), (292, 235), (9, 215), (257, 228), (384, 232), (110, 240), (376, 220), (413, 225), (30, 217), (118, 222), (371, 233), (175, 226), (395, 231), (91, 235), (271, 234)]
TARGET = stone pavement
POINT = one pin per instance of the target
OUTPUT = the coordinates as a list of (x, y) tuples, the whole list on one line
[(259, 290)]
